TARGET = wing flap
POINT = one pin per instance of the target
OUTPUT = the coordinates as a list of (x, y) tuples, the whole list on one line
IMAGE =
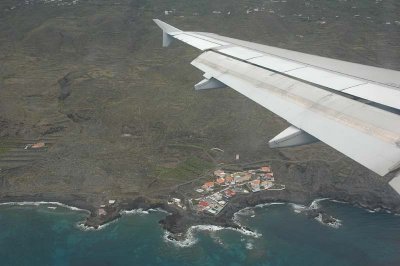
[(376, 93), (324, 78)]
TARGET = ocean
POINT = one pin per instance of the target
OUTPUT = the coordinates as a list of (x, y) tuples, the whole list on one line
[(50, 235)]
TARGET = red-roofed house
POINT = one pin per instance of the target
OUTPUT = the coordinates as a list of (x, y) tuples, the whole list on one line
[(230, 193), (228, 179), (203, 203), (38, 145), (220, 181), (208, 185)]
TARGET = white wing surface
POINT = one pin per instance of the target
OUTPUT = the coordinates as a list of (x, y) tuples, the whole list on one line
[(351, 107)]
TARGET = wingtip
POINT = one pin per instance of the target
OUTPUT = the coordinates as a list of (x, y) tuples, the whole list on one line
[(157, 21), (165, 26)]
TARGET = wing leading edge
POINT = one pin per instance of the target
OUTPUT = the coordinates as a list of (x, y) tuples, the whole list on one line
[(356, 112)]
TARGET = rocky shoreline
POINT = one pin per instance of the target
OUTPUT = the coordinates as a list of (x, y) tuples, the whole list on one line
[(179, 221)]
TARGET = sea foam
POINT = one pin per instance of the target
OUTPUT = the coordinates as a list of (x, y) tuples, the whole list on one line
[(135, 211), (298, 208), (39, 203), (249, 245), (141, 211), (315, 203), (159, 210), (269, 204), (190, 239)]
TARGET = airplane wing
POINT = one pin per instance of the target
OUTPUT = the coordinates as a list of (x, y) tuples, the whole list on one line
[(351, 107)]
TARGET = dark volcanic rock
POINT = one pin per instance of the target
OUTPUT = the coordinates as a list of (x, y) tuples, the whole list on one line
[(65, 87), (65, 83), (96, 219)]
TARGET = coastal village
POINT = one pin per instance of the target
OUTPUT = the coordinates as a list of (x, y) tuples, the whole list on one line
[(216, 193)]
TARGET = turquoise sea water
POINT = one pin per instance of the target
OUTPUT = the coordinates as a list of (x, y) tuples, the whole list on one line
[(37, 235)]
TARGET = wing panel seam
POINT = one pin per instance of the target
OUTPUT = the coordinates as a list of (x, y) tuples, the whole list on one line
[(338, 92)]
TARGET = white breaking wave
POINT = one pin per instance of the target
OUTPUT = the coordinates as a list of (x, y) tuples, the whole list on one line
[(190, 239), (297, 208), (338, 201), (83, 227), (140, 211), (53, 205), (39, 203), (315, 204), (159, 210), (135, 211), (269, 204), (249, 245), (248, 211)]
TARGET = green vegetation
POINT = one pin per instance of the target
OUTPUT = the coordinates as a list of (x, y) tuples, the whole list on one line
[(188, 169), (6, 144), (3, 149)]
